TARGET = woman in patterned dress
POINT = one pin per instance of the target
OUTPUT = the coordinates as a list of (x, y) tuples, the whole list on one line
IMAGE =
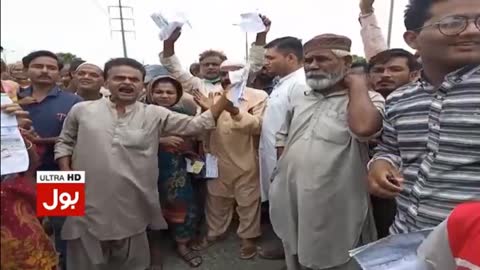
[(24, 243), (174, 182)]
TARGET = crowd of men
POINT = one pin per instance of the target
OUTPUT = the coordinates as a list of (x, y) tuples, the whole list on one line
[(339, 156)]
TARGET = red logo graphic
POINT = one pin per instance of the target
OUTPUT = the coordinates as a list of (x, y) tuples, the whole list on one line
[(60, 193)]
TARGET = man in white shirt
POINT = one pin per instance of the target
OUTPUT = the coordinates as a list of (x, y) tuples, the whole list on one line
[(283, 59)]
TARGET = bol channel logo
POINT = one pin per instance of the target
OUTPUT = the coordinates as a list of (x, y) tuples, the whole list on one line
[(60, 193)]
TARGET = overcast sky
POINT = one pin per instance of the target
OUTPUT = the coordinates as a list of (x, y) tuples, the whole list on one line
[(83, 27)]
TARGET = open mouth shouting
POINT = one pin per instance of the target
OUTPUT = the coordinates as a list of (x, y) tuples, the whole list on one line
[(126, 91)]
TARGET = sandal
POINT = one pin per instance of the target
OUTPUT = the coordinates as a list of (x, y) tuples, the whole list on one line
[(192, 258), (206, 242), (247, 252), (270, 251)]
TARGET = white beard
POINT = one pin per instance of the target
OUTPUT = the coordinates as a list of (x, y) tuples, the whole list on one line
[(320, 84)]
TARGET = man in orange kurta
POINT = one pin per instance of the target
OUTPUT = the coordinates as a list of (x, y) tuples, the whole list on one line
[(235, 144)]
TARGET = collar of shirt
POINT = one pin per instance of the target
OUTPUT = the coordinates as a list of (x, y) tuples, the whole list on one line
[(113, 105), (456, 76), (329, 95), (214, 81), (28, 92), (299, 72)]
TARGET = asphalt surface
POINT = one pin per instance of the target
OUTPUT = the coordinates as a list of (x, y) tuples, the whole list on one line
[(223, 256)]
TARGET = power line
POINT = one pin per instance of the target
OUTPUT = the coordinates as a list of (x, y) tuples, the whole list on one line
[(100, 7), (122, 20)]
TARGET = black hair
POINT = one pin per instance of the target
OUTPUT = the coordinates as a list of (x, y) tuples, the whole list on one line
[(210, 53), (175, 83), (360, 64), (34, 55), (385, 56), (75, 64), (194, 68), (417, 13), (123, 61), (287, 45), (4, 66)]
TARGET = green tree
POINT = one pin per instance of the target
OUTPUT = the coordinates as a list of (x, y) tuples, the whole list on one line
[(358, 59), (67, 58)]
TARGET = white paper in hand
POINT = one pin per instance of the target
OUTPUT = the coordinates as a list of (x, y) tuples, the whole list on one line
[(14, 155), (238, 79), (211, 163), (168, 22), (251, 23), (7, 120)]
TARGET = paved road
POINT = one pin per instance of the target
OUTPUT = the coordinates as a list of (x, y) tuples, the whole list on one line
[(222, 256)]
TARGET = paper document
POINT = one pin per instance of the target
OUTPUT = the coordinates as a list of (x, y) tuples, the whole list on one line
[(396, 252), (194, 167), (14, 154), (168, 22), (7, 120), (251, 23), (211, 169), (238, 79)]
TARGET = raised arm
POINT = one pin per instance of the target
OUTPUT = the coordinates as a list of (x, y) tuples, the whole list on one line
[(67, 140), (184, 125), (365, 108), (372, 37), (257, 51), (170, 61), (250, 122)]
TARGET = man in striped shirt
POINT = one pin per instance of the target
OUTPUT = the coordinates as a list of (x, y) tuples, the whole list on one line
[(429, 155)]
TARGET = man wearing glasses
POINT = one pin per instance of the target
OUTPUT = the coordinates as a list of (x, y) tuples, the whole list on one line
[(429, 154)]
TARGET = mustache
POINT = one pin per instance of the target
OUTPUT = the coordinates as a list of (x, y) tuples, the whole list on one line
[(385, 81), (85, 81), (318, 74)]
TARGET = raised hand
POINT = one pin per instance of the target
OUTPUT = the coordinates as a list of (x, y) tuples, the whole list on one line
[(266, 22), (174, 36), (366, 6), (23, 117), (355, 80), (204, 102)]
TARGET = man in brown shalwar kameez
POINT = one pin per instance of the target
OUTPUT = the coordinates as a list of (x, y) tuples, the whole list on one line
[(235, 143), (319, 204), (115, 141)]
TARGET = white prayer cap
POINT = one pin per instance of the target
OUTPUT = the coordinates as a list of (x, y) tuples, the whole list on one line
[(233, 63), (88, 63)]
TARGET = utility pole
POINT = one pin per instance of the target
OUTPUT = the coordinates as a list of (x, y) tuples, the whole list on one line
[(246, 47), (246, 43), (390, 23), (122, 20)]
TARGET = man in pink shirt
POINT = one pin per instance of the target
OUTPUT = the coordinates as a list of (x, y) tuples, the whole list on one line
[(372, 37)]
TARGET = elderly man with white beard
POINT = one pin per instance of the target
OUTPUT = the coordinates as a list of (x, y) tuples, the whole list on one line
[(319, 199)]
